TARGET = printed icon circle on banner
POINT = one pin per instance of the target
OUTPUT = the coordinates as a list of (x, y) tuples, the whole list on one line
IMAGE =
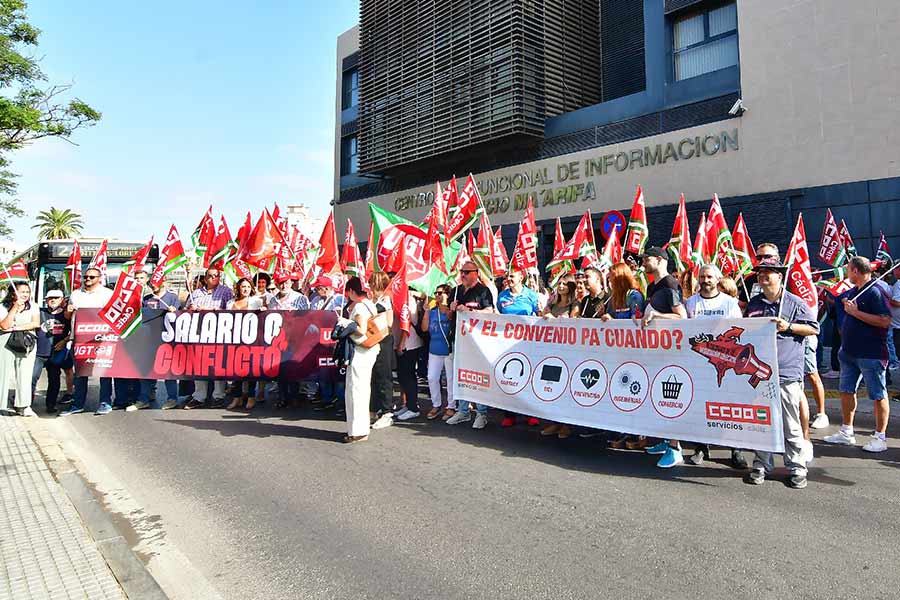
[(629, 386), (550, 378), (588, 383), (512, 372), (609, 221), (672, 392)]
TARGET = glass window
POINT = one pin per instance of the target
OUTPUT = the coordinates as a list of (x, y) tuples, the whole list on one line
[(349, 153), (350, 89), (705, 42)]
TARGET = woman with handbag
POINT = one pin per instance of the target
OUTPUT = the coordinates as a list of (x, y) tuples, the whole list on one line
[(440, 358), (52, 351), (359, 371), (19, 318)]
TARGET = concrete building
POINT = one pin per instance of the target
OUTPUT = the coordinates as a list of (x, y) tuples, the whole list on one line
[(779, 107)]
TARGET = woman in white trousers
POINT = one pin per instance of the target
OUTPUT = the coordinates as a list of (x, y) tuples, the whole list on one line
[(359, 372), (17, 313)]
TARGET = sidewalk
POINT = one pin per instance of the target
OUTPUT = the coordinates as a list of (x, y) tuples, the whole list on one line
[(45, 549)]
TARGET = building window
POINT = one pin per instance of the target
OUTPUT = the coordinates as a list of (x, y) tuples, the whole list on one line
[(349, 160), (350, 89), (705, 42)]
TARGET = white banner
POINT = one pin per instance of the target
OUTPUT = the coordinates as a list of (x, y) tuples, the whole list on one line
[(705, 380)]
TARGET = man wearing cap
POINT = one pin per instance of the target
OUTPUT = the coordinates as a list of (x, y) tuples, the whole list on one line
[(52, 354), (92, 295), (663, 302), (863, 353), (324, 297), (794, 320), (285, 298)]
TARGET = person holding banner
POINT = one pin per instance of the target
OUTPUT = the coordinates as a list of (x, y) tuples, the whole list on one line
[(286, 298), (517, 299), (663, 302), (794, 321), (212, 295), (159, 298), (245, 298), (53, 354), (863, 354), (437, 322), (19, 318), (92, 295), (359, 371), (469, 296), (592, 305), (711, 303)]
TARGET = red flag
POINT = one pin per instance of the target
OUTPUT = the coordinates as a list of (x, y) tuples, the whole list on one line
[(636, 234), (262, 245), (883, 253), (243, 233), (204, 235), (849, 247), (525, 252), (399, 292), (351, 259), (329, 259), (433, 254), (564, 268), (123, 311), (743, 247), (612, 251), (832, 249), (370, 255), (463, 214), (220, 248), (700, 256), (679, 246), (799, 275), (280, 221), (15, 273), (719, 240), (99, 262), (499, 258), (73, 269), (438, 212), (580, 245), (171, 258)]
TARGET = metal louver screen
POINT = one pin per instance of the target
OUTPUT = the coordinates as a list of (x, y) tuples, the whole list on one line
[(622, 48)]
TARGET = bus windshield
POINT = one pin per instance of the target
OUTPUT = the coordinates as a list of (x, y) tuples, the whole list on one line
[(51, 276)]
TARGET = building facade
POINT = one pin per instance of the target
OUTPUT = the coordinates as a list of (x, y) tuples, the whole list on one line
[(780, 108)]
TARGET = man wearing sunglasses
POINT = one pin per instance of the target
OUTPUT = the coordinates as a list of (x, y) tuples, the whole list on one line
[(212, 295), (92, 295), (470, 295)]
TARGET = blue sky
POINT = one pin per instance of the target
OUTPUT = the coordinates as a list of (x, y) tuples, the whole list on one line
[(223, 102)]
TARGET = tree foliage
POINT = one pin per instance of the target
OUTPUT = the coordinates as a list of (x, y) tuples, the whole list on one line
[(30, 109), (57, 224)]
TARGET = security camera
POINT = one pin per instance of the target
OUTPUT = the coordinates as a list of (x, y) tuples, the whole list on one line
[(738, 109)]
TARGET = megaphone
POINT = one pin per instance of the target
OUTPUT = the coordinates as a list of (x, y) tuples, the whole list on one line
[(748, 363)]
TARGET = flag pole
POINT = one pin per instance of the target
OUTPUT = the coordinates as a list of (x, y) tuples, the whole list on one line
[(894, 265)]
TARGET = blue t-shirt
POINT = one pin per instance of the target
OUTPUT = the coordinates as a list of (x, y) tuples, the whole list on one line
[(54, 327), (524, 303), (439, 330), (162, 302), (634, 304), (859, 339)]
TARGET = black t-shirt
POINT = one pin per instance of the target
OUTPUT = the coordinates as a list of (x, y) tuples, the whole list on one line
[(664, 295), (477, 297), (54, 327), (593, 307)]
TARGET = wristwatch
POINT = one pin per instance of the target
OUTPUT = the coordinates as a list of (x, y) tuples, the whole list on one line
[(790, 328)]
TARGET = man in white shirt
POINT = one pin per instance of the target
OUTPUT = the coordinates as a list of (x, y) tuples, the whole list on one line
[(93, 295), (710, 303)]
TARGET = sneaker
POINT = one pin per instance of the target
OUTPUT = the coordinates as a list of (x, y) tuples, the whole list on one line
[(459, 417), (756, 477), (27, 412), (408, 415), (131, 408), (820, 421), (507, 422), (398, 414), (72, 410), (141, 405), (384, 421), (698, 456), (797, 481), (449, 413), (842, 438), (738, 461), (481, 421), (551, 429), (671, 458), (659, 448), (192, 403), (830, 374), (103, 409), (875, 444), (168, 404)]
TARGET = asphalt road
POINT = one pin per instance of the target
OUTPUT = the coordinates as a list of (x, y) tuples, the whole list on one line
[(272, 506)]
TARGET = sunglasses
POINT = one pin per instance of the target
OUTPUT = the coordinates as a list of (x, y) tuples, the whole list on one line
[(764, 256), (212, 275), (468, 271), (92, 277), (441, 293)]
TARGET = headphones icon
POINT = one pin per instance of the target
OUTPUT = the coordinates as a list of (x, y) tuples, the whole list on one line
[(511, 361)]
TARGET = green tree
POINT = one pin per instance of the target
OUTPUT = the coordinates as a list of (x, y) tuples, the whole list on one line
[(29, 108), (56, 224)]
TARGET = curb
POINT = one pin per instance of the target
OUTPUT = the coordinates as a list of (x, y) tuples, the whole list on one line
[(132, 575)]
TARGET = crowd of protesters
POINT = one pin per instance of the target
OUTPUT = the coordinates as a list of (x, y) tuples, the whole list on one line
[(372, 347)]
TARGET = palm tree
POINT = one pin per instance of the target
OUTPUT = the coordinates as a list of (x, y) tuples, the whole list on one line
[(56, 224)]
